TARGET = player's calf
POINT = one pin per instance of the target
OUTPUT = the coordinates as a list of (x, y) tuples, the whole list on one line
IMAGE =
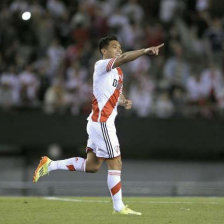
[(72, 164)]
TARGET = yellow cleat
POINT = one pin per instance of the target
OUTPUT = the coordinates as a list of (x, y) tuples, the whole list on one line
[(127, 211), (42, 168)]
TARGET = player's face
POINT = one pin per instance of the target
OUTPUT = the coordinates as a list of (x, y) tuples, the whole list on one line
[(113, 49)]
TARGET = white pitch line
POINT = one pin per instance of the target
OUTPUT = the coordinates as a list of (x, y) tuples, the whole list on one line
[(142, 202), (75, 200), (176, 202)]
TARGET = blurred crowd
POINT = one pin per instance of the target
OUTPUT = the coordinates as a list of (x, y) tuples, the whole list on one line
[(47, 60)]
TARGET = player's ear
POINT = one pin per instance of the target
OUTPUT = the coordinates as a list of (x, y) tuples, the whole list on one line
[(103, 51)]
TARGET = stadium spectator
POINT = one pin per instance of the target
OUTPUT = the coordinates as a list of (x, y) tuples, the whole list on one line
[(56, 99), (56, 8), (9, 89), (118, 20), (167, 10), (176, 69), (212, 82), (164, 107), (44, 25), (214, 37), (194, 88), (56, 54), (19, 6), (141, 93), (28, 86), (133, 11)]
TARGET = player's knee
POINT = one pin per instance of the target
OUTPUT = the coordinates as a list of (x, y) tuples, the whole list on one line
[(95, 169), (92, 169), (115, 164)]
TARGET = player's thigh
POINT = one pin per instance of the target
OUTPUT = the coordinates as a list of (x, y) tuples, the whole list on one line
[(114, 164), (93, 163)]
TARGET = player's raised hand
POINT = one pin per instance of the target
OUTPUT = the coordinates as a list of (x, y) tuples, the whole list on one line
[(153, 50)]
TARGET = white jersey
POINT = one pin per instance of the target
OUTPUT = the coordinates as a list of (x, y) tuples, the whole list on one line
[(107, 88)]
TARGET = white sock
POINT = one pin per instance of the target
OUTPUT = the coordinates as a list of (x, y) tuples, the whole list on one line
[(72, 164), (114, 185)]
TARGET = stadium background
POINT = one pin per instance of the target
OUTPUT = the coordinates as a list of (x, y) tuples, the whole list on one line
[(172, 141)]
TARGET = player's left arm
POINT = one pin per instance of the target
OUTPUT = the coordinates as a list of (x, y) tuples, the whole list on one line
[(127, 104)]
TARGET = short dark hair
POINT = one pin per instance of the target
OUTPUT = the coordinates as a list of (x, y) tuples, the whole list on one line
[(104, 42)]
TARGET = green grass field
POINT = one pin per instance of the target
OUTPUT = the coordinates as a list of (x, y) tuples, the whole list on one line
[(98, 210)]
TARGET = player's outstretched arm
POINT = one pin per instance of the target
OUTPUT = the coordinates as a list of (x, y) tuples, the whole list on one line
[(132, 55)]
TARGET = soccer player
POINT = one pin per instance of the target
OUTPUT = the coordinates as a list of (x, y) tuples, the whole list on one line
[(103, 144)]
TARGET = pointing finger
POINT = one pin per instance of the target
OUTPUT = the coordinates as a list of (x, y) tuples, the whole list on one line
[(161, 45)]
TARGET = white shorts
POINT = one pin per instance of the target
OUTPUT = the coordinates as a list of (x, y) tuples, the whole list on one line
[(103, 139)]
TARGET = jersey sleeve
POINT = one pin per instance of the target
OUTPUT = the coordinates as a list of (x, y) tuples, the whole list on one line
[(104, 66)]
